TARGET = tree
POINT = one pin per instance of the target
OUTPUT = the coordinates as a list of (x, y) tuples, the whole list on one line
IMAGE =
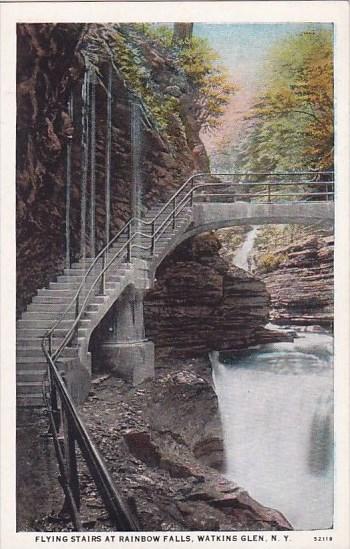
[(291, 123), (182, 32)]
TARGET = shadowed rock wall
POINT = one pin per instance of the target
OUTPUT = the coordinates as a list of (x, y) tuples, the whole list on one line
[(50, 67), (201, 303)]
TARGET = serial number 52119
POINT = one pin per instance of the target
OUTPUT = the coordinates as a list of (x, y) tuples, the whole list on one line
[(321, 538)]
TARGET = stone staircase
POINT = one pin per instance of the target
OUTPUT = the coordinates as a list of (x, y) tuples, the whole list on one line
[(50, 303)]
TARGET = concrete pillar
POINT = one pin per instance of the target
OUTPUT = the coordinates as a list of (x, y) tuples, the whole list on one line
[(126, 352)]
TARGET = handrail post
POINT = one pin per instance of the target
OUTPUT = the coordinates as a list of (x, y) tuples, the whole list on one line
[(76, 306), (128, 248), (192, 191), (103, 277), (50, 342), (71, 461), (153, 242), (75, 332), (174, 212)]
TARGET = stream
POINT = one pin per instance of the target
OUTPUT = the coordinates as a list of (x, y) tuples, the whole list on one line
[(276, 405)]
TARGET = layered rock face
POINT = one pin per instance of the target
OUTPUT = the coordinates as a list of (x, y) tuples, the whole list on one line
[(301, 288), (200, 303)]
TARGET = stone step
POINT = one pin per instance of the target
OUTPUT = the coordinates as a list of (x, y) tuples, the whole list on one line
[(112, 280), (35, 352), (29, 387), (75, 280), (60, 332), (87, 261), (33, 400), (63, 300), (68, 295), (79, 271), (50, 308), (25, 342), (50, 316), (30, 361), (39, 323), (30, 376)]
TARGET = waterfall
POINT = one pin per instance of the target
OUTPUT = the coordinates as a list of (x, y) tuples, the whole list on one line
[(93, 165), (242, 257), (276, 405), (69, 181), (84, 159), (108, 153)]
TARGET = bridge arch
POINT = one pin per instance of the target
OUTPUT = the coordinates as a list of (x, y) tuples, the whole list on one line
[(211, 216)]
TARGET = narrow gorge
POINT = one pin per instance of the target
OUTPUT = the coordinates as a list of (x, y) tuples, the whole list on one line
[(240, 317)]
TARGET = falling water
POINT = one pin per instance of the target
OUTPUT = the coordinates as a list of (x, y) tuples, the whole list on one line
[(108, 153), (242, 257), (136, 145), (93, 164), (276, 405), (84, 159)]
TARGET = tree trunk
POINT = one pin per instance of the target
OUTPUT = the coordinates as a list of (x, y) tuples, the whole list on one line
[(182, 31)]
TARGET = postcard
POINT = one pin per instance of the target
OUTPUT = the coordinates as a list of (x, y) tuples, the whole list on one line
[(175, 274)]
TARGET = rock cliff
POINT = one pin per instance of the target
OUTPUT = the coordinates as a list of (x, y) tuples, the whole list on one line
[(301, 287), (202, 302)]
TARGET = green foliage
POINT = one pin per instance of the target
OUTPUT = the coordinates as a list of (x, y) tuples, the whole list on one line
[(209, 82), (272, 237), (161, 34), (132, 47), (291, 124), (138, 77), (270, 262)]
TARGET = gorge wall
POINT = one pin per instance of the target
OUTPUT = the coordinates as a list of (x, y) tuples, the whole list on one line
[(201, 302), (301, 285), (51, 62)]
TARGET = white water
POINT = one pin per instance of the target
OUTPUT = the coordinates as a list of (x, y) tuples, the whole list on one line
[(276, 405), (242, 257)]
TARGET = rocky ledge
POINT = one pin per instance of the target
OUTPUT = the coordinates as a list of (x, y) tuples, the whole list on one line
[(202, 302), (301, 287), (162, 443)]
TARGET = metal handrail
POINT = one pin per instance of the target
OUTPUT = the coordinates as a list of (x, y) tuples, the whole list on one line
[(76, 432)]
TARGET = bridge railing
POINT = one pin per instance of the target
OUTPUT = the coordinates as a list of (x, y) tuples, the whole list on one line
[(276, 187), (267, 187)]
